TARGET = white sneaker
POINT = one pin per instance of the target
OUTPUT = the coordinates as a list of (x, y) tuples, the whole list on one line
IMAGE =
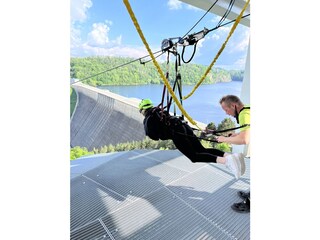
[(235, 163)]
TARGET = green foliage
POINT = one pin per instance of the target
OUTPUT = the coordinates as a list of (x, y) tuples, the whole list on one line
[(211, 126), (221, 146), (147, 143), (226, 123), (137, 74), (206, 144), (77, 152), (224, 147)]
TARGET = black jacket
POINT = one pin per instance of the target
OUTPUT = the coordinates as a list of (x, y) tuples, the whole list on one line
[(157, 124)]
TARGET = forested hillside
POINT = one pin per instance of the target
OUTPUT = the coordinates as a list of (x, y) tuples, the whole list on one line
[(136, 73)]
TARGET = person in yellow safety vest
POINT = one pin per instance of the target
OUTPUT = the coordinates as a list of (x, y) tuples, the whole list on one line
[(233, 106)]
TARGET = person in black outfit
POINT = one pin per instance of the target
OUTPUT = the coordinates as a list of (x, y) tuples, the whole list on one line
[(161, 125)]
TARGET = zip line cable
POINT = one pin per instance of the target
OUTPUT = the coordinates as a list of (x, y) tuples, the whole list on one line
[(200, 18), (151, 59)]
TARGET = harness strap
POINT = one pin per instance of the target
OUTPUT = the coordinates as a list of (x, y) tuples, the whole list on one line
[(237, 114), (226, 130), (230, 129)]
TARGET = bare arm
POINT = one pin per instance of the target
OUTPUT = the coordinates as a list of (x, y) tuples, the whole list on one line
[(240, 138)]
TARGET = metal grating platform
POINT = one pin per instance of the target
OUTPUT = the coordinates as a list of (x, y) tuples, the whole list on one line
[(157, 195)]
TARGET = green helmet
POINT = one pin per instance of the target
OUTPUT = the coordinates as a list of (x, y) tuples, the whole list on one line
[(145, 104)]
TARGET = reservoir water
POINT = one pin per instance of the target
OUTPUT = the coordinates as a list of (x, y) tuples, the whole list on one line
[(202, 106)]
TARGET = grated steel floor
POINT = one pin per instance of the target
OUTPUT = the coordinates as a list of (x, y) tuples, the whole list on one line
[(145, 194)]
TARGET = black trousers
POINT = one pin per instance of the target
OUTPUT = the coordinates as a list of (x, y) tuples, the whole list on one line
[(187, 142)]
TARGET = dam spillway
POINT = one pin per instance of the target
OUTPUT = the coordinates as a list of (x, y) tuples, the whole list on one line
[(102, 118)]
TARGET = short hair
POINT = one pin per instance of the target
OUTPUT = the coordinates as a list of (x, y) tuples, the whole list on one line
[(228, 99)]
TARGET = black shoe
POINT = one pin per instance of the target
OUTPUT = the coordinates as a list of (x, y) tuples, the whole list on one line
[(243, 194), (242, 207)]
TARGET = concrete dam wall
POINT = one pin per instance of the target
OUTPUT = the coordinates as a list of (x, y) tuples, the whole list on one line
[(102, 118)]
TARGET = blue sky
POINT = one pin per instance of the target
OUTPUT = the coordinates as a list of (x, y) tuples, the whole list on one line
[(100, 27)]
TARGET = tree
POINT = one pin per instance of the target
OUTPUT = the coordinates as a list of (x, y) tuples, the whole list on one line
[(226, 123), (135, 73), (211, 126)]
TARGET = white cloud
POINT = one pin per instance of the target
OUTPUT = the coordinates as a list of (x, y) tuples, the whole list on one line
[(79, 8), (214, 37), (174, 4), (200, 43), (237, 43), (240, 43), (75, 38), (78, 13), (99, 43), (99, 35)]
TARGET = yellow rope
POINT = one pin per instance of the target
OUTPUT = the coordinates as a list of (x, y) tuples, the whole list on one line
[(220, 51), (136, 24)]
